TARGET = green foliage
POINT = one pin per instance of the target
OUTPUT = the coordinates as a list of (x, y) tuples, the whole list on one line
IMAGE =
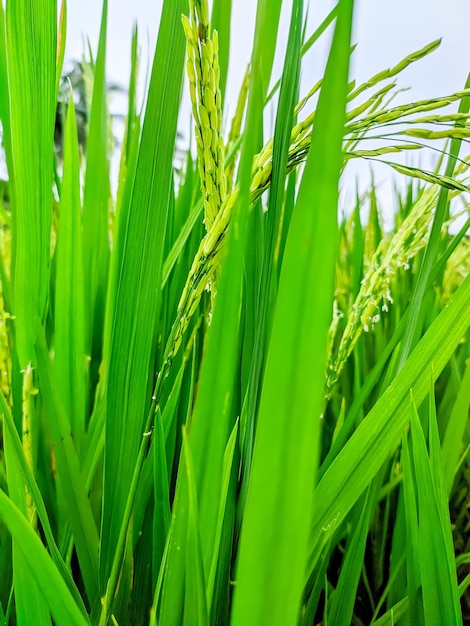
[(205, 374)]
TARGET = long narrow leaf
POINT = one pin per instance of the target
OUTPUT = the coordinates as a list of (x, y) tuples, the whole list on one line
[(138, 296), (70, 360), (31, 54), (438, 576), (79, 512), (62, 605), (96, 199), (275, 527), (379, 433)]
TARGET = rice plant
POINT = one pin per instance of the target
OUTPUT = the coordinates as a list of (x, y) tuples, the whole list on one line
[(227, 396)]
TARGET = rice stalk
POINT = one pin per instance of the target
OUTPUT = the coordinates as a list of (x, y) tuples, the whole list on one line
[(29, 393), (236, 128), (374, 297), (457, 267), (129, 536), (398, 68), (210, 249), (5, 351), (202, 67)]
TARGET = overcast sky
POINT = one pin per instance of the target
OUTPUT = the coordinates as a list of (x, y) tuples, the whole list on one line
[(385, 31)]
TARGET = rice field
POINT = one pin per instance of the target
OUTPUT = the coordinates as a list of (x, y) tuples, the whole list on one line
[(226, 397)]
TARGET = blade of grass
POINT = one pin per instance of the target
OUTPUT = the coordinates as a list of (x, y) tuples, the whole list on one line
[(452, 442), (96, 196), (212, 419), (314, 37), (73, 490), (442, 499), (131, 133), (392, 616), (400, 609), (5, 100), (53, 588), (409, 337), (162, 515), (412, 540), (379, 433), (16, 449), (61, 41), (220, 21), (181, 240), (69, 344), (31, 44), (29, 601), (438, 575), (274, 538), (272, 224), (224, 495), (344, 596), (137, 298), (195, 606)]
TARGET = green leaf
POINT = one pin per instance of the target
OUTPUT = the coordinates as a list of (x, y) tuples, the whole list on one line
[(413, 560), (69, 343), (220, 21), (393, 615), (28, 121), (438, 575), (52, 586), (96, 197), (379, 433), (344, 596), (212, 419), (139, 271), (432, 248), (61, 41), (29, 603), (452, 442), (267, 240), (73, 488), (195, 607), (31, 42), (5, 99), (224, 495), (273, 547), (14, 449), (162, 514)]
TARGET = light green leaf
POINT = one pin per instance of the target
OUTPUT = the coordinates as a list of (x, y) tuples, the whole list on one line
[(53, 588), (274, 538)]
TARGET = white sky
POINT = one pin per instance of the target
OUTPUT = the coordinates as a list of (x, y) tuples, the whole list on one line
[(385, 32)]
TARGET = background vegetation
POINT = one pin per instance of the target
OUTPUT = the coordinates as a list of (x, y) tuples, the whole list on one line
[(224, 401)]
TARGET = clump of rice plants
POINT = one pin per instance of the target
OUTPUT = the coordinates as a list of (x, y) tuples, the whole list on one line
[(223, 400)]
